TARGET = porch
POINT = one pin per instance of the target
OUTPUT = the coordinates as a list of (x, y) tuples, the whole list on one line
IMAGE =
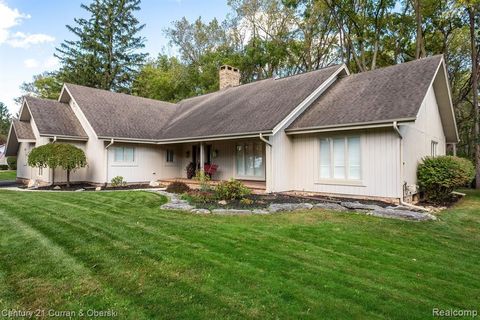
[(257, 187)]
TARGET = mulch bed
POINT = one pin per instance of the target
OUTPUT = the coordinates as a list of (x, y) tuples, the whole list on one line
[(90, 187), (264, 200)]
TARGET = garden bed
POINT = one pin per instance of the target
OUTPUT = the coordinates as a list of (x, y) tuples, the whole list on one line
[(91, 187)]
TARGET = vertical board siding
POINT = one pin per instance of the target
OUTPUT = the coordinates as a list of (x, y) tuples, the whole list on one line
[(419, 135), (380, 165)]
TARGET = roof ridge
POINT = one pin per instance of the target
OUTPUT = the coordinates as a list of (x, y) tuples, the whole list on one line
[(118, 93)]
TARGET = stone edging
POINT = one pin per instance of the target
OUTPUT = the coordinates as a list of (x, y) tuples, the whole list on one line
[(394, 212)]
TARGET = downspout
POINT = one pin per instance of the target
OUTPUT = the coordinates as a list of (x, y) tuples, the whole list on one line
[(268, 173), (53, 170), (402, 202), (264, 140), (106, 160)]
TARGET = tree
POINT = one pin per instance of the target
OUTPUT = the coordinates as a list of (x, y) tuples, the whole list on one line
[(54, 155), (44, 85), (105, 55), (5, 119)]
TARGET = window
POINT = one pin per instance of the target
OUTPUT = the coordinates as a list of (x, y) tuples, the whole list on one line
[(170, 155), (124, 154), (434, 147), (249, 160), (340, 158), (40, 171)]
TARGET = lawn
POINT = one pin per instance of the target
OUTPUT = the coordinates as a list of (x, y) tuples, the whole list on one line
[(8, 175), (118, 251)]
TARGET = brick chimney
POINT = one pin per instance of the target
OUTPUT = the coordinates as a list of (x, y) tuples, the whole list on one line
[(229, 77)]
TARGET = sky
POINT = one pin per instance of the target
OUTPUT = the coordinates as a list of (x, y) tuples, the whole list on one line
[(31, 29)]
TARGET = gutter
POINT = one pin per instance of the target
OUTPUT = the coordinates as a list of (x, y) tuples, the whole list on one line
[(264, 140)]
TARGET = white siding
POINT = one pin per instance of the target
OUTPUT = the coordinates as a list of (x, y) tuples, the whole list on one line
[(281, 162), (419, 135), (94, 149), (150, 164), (23, 170), (380, 161)]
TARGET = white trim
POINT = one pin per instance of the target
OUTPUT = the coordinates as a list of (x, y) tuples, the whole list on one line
[(445, 73), (65, 88), (309, 100), (350, 126), (64, 137)]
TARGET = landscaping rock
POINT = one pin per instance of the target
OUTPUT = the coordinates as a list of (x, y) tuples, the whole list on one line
[(357, 205), (231, 211), (32, 183), (79, 190), (98, 189), (260, 211), (180, 205), (276, 207), (402, 214), (57, 188), (406, 208), (200, 211), (222, 202), (154, 183), (330, 206)]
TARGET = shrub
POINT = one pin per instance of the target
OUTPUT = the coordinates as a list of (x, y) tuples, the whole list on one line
[(177, 187), (204, 180), (3, 166), (200, 197), (12, 163), (117, 181), (439, 176), (231, 190)]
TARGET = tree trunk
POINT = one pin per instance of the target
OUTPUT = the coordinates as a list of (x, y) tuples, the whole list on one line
[(420, 45), (68, 178), (471, 13), (53, 176)]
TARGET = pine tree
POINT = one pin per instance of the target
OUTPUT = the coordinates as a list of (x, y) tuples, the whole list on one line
[(5, 117), (106, 53)]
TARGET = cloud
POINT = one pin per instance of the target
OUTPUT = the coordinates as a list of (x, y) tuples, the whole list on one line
[(22, 40), (30, 63), (9, 18), (51, 63)]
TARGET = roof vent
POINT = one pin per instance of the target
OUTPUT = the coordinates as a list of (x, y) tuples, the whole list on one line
[(229, 77)]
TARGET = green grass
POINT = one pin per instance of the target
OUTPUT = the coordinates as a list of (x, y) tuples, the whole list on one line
[(118, 250), (7, 175)]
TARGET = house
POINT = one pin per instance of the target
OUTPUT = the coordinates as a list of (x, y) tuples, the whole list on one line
[(325, 131)]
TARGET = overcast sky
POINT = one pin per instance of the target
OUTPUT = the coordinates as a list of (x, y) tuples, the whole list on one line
[(31, 29)]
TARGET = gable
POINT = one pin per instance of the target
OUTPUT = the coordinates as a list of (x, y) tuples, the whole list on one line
[(384, 95)]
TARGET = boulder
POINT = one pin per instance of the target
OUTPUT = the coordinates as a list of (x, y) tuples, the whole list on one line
[(260, 211), (98, 189), (231, 211), (177, 206), (57, 188), (329, 206), (222, 202), (276, 207), (79, 190), (32, 183), (402, 214), (357, 205), (200, 211), (154, 183)]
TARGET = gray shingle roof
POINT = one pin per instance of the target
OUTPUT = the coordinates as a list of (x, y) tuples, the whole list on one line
[(249, 108), (23, 129), (120, 115), (389, 93), (54, 118)]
